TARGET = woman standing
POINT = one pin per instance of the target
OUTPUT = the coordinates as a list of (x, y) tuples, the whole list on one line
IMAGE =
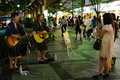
[(78, 23), (106, 50)]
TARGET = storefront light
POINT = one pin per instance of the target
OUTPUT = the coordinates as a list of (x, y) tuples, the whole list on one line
[(29, 15), (111, 6), (45, 13)]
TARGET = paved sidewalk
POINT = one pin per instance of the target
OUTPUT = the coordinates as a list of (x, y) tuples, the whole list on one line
[(81, 65)]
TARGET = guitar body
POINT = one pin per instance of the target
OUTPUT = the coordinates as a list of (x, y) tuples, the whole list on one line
[(12, 42), (39, 38)]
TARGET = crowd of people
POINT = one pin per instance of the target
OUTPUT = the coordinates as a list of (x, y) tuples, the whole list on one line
[(105, 29), (84, 26)]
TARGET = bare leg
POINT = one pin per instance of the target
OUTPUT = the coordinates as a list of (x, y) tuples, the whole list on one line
[(37, 57), (81, 35), (11, 60), (94, 35), (106, 65), (109, 62), (101, 65), (15, 62), (76, 36), (43, 56)]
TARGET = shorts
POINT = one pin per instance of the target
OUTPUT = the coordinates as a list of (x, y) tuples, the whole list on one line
[(68, 24), (78, 30), (94, 30), (43, 46)]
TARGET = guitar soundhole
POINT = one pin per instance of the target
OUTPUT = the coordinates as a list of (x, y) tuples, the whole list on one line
[(13, 40), (42, 36)]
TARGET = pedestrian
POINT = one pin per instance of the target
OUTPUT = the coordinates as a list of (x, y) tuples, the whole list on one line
[(68, 20), (77, 27), (63, 24), (116, 28), (94, 25), (118, 22), (84, 25), (106, 50)]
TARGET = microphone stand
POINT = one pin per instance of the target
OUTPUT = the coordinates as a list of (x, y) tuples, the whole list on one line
[(28, 47), (29, 44), (53, 39), (28, 52)]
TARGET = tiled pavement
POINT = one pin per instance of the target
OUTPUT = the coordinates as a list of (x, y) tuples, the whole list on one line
[(78, 66)]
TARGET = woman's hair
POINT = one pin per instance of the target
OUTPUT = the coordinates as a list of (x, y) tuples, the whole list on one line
[(39, 15), (95, 18), (108, 19), (113, 15)]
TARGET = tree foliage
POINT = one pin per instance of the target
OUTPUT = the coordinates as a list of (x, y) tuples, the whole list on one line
[(5, 8), (54, 8), (96, 6), (66, 5), (70, 5)]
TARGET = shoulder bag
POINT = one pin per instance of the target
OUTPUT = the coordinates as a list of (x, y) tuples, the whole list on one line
[(80, 26)]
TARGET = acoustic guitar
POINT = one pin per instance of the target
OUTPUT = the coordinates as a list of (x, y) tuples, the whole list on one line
[(39, 38), (12, 42)]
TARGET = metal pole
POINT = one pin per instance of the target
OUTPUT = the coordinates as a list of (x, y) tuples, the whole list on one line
[(42, 6)]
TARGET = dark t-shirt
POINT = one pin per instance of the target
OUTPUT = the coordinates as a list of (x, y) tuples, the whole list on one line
[(94, 23), (37, 27)]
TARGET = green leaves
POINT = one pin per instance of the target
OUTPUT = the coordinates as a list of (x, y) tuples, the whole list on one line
[(5, 8), (70, 5), (54, 8), (12, 4)]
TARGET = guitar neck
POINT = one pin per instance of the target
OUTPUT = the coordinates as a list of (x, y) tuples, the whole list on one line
[(23, 36)]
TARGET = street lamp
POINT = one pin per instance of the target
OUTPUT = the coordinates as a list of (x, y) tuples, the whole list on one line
[(18, 5)]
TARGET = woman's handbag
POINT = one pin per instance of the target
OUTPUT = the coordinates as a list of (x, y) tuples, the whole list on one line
[(81, 27), (97, 44)]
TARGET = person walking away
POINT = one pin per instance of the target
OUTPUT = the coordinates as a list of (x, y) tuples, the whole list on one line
[(77, 28), (94, 23), (85, 25), (68, 20), (64, 25)]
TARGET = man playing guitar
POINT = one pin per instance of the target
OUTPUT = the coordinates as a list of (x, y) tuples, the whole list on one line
[(39, 27), (13, 29)]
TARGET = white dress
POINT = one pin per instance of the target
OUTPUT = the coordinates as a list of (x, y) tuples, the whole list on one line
[(106, 50)]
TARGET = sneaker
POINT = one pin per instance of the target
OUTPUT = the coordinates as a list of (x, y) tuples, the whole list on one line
[(84, 36)]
